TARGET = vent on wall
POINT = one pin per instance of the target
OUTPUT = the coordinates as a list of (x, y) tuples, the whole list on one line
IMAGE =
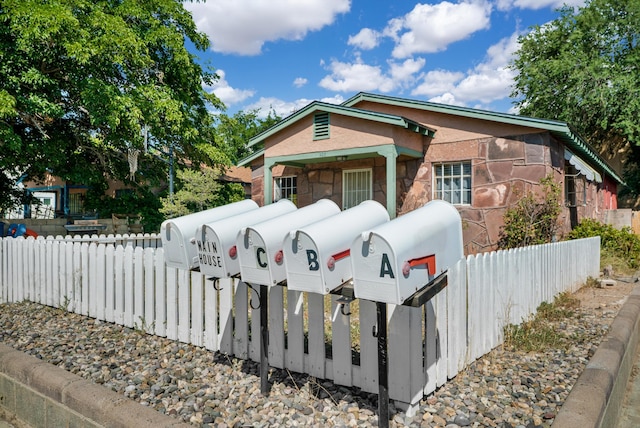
[(320, 126)]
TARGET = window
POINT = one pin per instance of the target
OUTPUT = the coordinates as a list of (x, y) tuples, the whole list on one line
[(76, 203), (356, 187), (285, 188), (453, 182), (320, 126), (575, 188)]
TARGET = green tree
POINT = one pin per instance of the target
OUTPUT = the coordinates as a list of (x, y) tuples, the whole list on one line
[(533, 219), (233, 132), (80, 79), (584, 68), (199, 190)]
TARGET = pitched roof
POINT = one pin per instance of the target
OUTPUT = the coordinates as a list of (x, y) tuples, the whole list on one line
[(561, 130), (316, 106)]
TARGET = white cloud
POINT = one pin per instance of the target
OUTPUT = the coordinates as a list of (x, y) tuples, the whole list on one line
[(536, 4), (354, 77), (358, 76), (243, 26), (431, 28), (438, 82), (285, 108), (281, 107), (227, 94), (489, 81), (299, 82), (366, 39)]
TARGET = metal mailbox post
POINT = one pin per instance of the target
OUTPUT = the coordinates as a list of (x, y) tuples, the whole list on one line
[(259, 248), (216, 241), (177, 234), (404, 261), (316, 256)]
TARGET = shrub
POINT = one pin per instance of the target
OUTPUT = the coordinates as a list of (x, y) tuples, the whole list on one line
[(615, 243), (532, 221)]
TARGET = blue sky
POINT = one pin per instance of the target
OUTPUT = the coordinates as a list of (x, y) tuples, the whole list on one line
[(284, 54)]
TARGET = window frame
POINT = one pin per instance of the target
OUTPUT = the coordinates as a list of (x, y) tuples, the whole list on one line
[(439, 192), (292, 187), (349, 204)]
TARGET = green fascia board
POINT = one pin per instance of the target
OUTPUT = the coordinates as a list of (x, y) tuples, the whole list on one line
[(247, 160), (561, 130), (302, 159), (345, 111)]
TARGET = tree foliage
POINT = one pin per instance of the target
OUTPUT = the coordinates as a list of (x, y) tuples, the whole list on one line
[(79, 79), (233, 132), (584, 68), (199, 190), (532, 220)]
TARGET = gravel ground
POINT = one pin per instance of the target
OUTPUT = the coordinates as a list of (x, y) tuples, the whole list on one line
[(502, 389)]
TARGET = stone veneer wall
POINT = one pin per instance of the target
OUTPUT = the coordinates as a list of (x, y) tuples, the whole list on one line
[(503, 170)]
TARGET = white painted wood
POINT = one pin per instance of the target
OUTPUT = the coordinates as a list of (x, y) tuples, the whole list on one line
[(316, 335), (254, 344), (160, 293), (368, 347), (100, 286), (225, 329), (172, 303), (241, 331), (128, 296), (138, 289), (295, 331), (184, 303), (276, 327), (85, 279), (210, 317), (118, 266), (197, 308), (149, 291), (92, 285), (341, 343), (109, 281)]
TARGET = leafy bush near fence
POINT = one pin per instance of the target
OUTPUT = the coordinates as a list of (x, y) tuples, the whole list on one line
[(620, 247)]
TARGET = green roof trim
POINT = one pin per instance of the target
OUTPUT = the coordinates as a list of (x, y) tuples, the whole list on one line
[(319, 106), (247, 160), (561, 130)]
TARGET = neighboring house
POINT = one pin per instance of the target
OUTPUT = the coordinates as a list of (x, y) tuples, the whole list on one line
[(404, 153)]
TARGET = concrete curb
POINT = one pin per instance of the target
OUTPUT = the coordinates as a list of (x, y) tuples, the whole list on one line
[(43, 395), (597, 396)]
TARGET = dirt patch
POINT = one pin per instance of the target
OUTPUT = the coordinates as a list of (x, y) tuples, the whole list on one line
[(606, 296)]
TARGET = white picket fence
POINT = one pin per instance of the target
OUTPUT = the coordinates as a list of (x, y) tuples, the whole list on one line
[(132, 286)]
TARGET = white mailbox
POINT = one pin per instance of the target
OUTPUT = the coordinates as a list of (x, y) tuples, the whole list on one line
[(177, 234), (316, 256), (216, 241), (393, 261), (259, 246)]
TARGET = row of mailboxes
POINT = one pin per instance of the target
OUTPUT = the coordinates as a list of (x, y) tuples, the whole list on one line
[(178, 234), (318, 248)]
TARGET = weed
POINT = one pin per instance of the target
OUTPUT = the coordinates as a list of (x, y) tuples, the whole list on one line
[(538, 333)]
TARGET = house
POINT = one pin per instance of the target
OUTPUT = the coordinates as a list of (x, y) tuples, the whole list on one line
[(403, 153)]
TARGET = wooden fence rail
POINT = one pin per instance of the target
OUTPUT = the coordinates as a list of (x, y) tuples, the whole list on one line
[(130, 285)]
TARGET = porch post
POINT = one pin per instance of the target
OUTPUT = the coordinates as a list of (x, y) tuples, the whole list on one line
[(390, 154), (268, 181)]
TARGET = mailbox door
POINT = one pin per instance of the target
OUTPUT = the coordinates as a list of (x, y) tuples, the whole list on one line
[(216, 241), (375, 270), (303, 264), (177, 234)]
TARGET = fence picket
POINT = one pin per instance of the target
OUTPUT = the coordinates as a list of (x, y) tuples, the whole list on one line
[(340, 344), (295, 331), (160, 293), (241, 333)]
